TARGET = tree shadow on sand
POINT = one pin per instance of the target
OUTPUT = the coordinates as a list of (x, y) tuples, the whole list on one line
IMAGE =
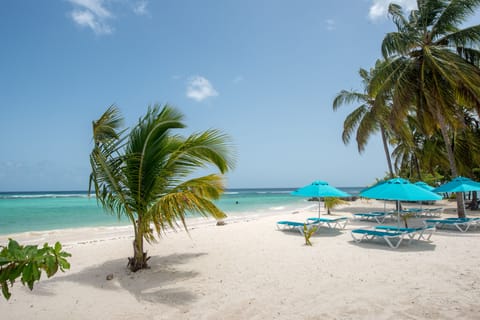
[(322, 232), (159, 284)]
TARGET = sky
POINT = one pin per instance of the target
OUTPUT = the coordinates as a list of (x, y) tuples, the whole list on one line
[(263, 71)]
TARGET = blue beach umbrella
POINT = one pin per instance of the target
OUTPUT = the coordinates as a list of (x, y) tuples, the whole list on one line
[(319, 189), (398, 189), (459, 184), (424, 185)]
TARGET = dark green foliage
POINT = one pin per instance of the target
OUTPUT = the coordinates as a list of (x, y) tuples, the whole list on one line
[(27, 263)]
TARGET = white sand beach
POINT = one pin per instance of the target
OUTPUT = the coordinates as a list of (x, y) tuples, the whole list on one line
[(247, 269)]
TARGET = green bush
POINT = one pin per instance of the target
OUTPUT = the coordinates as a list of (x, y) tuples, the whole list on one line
[(27, 263)]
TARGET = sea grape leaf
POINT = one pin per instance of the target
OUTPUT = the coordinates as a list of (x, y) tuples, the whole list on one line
[(28, 262)]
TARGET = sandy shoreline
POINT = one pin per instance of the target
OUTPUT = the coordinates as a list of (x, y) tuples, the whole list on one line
[(249, 270)]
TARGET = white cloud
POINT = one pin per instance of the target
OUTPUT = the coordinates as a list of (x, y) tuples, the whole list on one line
[(92, 14), (238, 79), (199, 89), (140, 8), (330, 24), (379, 8), (97, 14), (85, 18), (95, 6)]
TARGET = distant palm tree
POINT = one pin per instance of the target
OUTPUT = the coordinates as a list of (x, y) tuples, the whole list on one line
[(433, 66), (365, 119), (145, 175)]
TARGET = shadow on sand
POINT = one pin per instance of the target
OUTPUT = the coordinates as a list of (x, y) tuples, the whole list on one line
[(159, 284)]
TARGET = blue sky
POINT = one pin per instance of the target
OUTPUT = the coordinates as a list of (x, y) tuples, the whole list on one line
[(264, 71)]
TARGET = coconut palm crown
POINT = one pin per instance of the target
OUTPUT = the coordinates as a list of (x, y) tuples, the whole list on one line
[(145, 175), (368, 118), (432, 68)]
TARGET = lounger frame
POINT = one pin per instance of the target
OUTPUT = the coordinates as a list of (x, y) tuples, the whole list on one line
[(378, 217), (423, 233), (332, 223), (462, 224), (389, 237)]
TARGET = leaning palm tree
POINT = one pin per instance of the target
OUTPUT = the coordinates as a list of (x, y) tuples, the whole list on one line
[(146, 174), (365, 119), (433, 67)]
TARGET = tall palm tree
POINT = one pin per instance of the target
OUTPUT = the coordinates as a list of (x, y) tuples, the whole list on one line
[(433, 66), (145, 175), (365, 119)]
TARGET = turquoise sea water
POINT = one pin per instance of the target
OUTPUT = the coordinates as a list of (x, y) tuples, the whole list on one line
[(35, 211)]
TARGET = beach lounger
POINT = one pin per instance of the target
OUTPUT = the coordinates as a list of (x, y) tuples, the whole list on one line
[(338, 222), (389, 236), (378, 217), (424, 232), (294, 225), (462, 224), (417, 212), (432, 212)]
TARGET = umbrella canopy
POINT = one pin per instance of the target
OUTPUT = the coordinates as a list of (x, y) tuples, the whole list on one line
[(424, 185), (459, 184), (320, 189), (398, 189)]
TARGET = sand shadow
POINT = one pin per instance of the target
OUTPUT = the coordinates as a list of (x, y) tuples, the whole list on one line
[(162, 283), (323, 232), (380, 244)]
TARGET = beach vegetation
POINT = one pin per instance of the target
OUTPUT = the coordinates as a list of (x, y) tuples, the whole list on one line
[(28, 262), (146, 174), (308, 232), (431, 71), (332, 202)]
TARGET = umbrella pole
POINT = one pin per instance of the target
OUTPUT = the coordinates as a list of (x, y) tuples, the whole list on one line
[(398, 213), (319, 207)]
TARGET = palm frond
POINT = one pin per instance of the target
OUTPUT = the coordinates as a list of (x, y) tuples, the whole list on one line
[(352, 121), (106, 128), (192, 196), (348, 97), (454, 13), (366, 127)]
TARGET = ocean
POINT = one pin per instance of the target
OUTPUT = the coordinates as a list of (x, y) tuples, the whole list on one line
[(41, 211)]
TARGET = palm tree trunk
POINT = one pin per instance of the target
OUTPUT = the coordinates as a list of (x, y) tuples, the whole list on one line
[(453, 167), (387, 152), (139, 260), (417, 166)]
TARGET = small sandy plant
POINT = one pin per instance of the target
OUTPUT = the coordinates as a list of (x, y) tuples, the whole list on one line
[(308, 232), (27, 263)]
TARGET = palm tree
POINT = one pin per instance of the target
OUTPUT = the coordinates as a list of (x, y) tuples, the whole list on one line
[(365, 119), (432, 65), (146, 174), (332, 202)]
